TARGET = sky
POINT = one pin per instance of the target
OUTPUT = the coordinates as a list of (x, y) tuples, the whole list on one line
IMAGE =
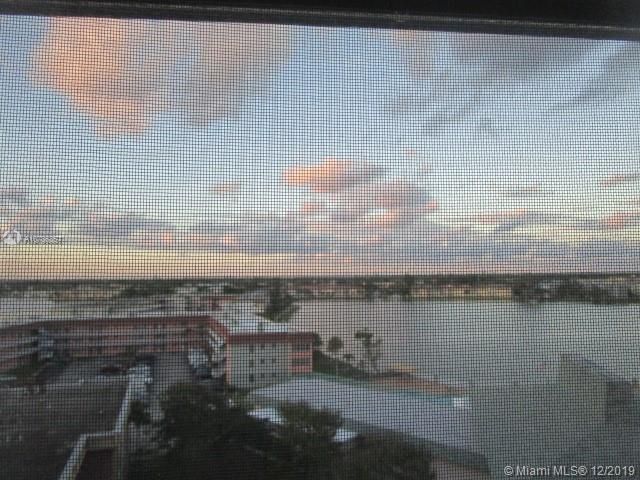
[(184, 149)]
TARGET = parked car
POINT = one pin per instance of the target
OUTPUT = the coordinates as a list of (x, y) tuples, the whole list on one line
[(142, 371), (202, 372), (147, 358), (112, 369)]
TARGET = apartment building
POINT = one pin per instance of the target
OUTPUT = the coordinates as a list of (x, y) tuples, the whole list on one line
[(253, 352), (21, 344), (248, 350)]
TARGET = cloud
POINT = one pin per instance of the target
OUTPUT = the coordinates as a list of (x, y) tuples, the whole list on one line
[(224, 188), (410, 152), (430, 206), (516, 55), (332, 175), (620, 220), (618, 179), (531, 190), (416, 48), (495, 218), (21, 211), (311, 208), (616, 77), (152, 238), (113, 227), (123, 73), (13, 196), (259, 234), (371, 210), (388, 218)]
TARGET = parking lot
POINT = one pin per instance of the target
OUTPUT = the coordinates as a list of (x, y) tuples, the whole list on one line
[(167, 369)]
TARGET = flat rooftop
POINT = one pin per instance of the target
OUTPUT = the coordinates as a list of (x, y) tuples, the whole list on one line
[(241, 318), (436, 421), (39, 430)]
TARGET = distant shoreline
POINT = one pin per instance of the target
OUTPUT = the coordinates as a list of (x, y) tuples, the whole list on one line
[(468, 300)]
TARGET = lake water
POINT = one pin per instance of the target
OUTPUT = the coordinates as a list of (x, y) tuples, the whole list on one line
[(484, 342)]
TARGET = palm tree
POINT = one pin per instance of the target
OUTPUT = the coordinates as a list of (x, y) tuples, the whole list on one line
[(334, 345), (372, 350)]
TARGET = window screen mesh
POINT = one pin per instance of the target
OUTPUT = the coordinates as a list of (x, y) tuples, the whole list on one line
[(270, 252)]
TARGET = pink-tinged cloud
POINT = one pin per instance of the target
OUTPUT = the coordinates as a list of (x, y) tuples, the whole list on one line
[(410, 152), (226, 187), (123, 73), (500, 217), (620, 220), (395, 194), (229, 240), (332, 175), (369, 240), (71, 202), (429, 207), (150, 238), (379, 205), (618, 179), (387, 219), (312, 208), (48, 201), (207, 240)]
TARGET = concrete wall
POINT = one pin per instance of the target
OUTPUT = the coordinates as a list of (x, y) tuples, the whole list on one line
[(113, 446)]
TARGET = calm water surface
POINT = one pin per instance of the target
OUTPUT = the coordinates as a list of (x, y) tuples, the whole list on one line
[(484, 342)]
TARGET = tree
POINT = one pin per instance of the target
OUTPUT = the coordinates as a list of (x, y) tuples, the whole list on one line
[(317, 340), (369, 290), (281, 305), (334, 345), (204, 435), (405, 287), (307, 437), (130, 354), (348, 357), (386, 458), (372, 350), (138, 414)]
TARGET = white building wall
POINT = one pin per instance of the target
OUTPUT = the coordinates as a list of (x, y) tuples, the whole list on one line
[(259, 365)]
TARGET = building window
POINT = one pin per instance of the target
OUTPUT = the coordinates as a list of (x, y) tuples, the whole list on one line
[(252, 378), (251, 363)]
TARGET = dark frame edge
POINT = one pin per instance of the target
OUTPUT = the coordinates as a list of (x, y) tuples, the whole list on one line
[(138, 10)]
